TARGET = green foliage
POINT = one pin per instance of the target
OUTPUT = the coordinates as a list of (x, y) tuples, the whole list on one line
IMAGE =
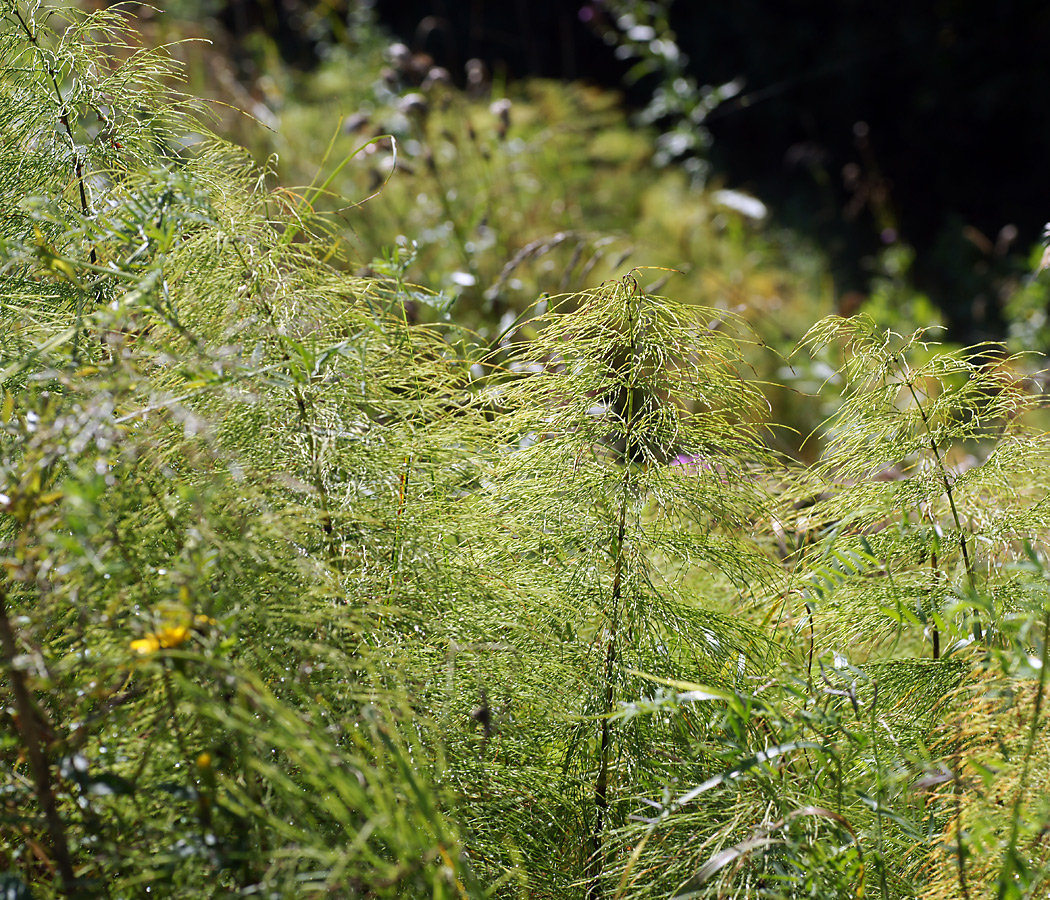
[(624, 416), (523, 189), (180, 374), (304, 590), (641, 31)]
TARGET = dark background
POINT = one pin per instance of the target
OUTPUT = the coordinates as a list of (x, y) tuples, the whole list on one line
[(860, 124)]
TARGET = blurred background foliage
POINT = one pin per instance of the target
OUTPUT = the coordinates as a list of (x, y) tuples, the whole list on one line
[(761, 157), (489, 193), (863, 126)]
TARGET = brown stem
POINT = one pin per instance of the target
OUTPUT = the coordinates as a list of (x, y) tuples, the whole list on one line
[(36, 751)]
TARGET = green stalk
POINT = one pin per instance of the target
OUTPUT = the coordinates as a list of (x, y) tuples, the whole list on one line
[(880, 856), (1006, 884), (302, 405), (601, 786), (78, 165), (941, 467), (960, 849), (402, 499), (63, 117)]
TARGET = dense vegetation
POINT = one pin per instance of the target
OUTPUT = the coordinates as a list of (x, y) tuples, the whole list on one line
[(817, 109), (318, 582)]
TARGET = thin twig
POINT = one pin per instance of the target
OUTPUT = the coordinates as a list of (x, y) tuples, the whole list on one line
[(63, 117), (960, 849), (35, 750), (942, 468)]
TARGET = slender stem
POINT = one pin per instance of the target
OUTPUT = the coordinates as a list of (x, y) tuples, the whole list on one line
[(402, 496), (936, 634), (601, 786), (941, 467), (78, 164), (36, 751), (960, 849), (812, 646), (880, 856), (303, 407), (316, 473), (63, 118), (1006, 878), (947, 487), (173, 712)]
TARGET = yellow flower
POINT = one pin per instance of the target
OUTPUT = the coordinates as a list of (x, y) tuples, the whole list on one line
[(166, 638), (147, 645), (173, 636)]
